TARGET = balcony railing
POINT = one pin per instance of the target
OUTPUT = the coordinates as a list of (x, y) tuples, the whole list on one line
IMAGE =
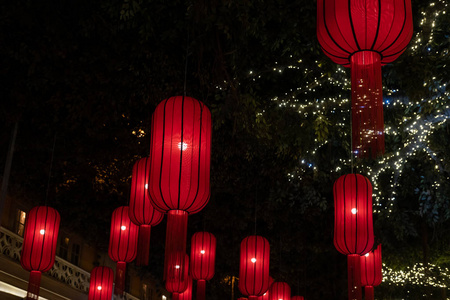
[(62, 270)]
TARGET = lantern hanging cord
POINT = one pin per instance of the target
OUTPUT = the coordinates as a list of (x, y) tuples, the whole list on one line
[(50, 170), (186, 64), (351, 141), (256, 203)]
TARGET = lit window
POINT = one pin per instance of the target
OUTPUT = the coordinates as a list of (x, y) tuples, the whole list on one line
[(20, 222), (64, 248)]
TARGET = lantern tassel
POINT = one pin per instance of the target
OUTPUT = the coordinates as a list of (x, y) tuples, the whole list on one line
[(34, 284), (175, 296), (368, 293), (143, 245), (201, 287), (354, 277), (367, 105), (176, 234), (119, 288)]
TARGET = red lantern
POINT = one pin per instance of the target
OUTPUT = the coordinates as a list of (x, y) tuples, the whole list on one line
[(141, 210), (297, 298), (364, 35), (177, 277), (353, 225), (203, 256), (280, 291), (180, 164), (254, 266), (265, 296), (371, 275), (122, 244), (101, 284), (39, 245), (187, 294)]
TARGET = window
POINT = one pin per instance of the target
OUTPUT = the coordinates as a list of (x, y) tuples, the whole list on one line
[(145, 292), (64, 248), (75, 257), (20, 222)]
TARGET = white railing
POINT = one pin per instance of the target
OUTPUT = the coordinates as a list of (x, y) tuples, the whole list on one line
[(62, 270)]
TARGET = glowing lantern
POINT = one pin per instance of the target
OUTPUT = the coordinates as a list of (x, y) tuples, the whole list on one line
[(39, 245), (122, 244), (297, 298), (141, 210), (180, 164), (371, 275), (187, 294), (353, 225), (177, 277), (254, 266), (203, 256), (265, 296), (364, 35), (280, 291), (101, 284)]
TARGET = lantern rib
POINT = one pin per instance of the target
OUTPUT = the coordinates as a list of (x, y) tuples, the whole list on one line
[(53, 251), (44, 236), (378, 25), (351, 24), (328, 31), (339, 28), (181, 150), (162, 153), (356, 215), (401, 31), (345, 225), (337, 243), (367, 212)]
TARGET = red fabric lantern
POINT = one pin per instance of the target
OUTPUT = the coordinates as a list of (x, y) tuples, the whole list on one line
[(39, 245), (280, 291), (254, 266), (203, 256), (353, 225), (297, 298), (101, 284), (141, 210), (364, 35), (122, 244), (177, 277), (371, 275), (180, 164), (187, 294)]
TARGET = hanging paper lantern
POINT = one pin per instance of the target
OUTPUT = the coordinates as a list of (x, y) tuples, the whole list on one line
[(180, 164), (254, 266), (364, 35), (177, 277), (297, 298), (280, 291), (39, 245), (141, 210), (122, 244), (187, 294), (203, 256), (353, 225), (101, 284), (371, 275)]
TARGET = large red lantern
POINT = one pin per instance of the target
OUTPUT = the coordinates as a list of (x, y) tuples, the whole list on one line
[(177, 277), (297, 298), (203, 256), (187, 294), (364, 35), (101, 284), (280, 291), (122, 244), (141, 210), (39, 245), (180, 164), (353, 225), (254, 266), (371, 275)]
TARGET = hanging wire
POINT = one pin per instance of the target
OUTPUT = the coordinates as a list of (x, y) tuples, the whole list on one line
[(50, 171), (256, 204), (186, 64)]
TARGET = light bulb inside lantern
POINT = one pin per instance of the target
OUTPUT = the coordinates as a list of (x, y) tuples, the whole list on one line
[(366, 255), (177, 266), (99, 288), (202, 251), (123, 227), (146, 186), (354, 211), (253, 260), (42, 231), (182, 146)]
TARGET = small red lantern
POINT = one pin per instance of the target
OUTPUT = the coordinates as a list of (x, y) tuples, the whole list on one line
[(371, 275), (39, 245), (353, 225), (180, 154), (297, 298), (203, 256), (141, 210), (364, 35), (280, 291), (187, 294), (254, 266), (101, 284), (122, 244), (177, 277)]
